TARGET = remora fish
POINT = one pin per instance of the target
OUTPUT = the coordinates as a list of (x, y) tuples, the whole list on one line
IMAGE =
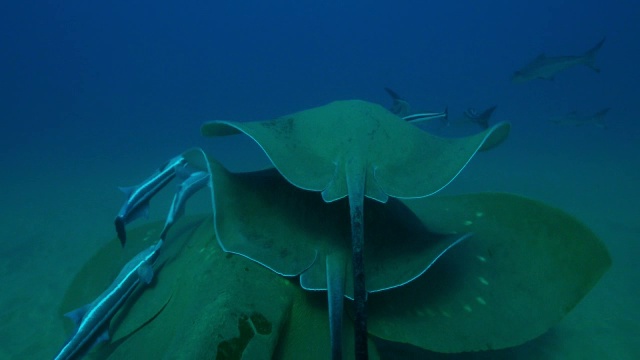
[(482, 119), (416, 118), (573, 118), (188, 187), (137, 203), (92, 320), (544, 67), (402, 108)]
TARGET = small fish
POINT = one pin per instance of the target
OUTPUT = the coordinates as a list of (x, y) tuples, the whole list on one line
[(196, 181), (402, 108), (138, 197), (544, 67), (416, 118), (482, 119), (92, 320), (573, 118)]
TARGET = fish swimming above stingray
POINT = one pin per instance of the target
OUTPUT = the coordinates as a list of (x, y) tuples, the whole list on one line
[(547, 67), (196, 181), (92, 320), (137, 203), (402, 108)]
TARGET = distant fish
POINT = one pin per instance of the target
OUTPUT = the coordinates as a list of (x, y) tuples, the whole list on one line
[(544, 67), (196, 181), (92, 320), (138, 197), (482, 119), (575, 119), (402, 108)]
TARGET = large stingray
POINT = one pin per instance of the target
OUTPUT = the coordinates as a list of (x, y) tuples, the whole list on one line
[(294, 232), (360, 150), (525, 267), (483, 293)]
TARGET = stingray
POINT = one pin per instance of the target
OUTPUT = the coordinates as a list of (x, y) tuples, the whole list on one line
[(357, 150), (294, 232), (523, 256)]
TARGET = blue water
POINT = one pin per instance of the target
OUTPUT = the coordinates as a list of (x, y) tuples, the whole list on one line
[(148, 73), (98, 94)]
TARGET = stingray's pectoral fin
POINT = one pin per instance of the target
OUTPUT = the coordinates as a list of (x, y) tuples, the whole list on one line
[(336, 269), (495, 136)]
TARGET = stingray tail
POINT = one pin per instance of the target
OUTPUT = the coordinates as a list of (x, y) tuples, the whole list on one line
[(590, 56), (335, 291)]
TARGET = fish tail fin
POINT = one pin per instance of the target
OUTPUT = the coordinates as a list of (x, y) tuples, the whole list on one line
[(590, 56)]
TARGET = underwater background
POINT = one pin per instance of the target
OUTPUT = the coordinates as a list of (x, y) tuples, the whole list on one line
[(98, 95)]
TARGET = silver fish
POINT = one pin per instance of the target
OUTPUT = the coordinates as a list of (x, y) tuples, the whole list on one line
[(138, 197), (188, 187), (420, 117), (92, 320), (402, 108)]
